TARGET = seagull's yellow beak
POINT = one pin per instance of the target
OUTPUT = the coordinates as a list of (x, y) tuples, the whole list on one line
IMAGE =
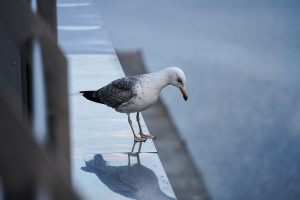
[(183, 92)]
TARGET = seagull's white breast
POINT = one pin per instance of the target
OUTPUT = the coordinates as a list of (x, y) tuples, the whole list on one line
[(147, 94)]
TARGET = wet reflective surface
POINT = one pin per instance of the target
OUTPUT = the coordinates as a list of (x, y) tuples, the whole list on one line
[(106, 163), (128, 175)]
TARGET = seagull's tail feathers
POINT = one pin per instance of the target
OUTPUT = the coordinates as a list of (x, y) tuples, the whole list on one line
[(92, 96)]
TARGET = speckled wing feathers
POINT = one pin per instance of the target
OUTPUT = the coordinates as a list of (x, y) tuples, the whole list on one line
[(118, 92)]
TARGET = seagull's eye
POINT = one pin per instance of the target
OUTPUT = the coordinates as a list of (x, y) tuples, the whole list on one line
[(179, 80)]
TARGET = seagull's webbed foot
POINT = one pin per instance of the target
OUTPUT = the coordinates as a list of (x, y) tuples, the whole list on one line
[(140, 127), (140, 139), (152, 137)]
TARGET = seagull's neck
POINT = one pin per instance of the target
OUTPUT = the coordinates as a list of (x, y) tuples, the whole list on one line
[(160, 80)]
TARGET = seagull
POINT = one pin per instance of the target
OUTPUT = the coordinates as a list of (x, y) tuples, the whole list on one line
[(134, 94)]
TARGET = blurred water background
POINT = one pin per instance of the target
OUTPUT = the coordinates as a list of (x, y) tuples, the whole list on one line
[(241, 123)]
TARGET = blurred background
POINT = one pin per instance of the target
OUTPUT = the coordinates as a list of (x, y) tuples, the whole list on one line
[(241, 124), (237, 137)]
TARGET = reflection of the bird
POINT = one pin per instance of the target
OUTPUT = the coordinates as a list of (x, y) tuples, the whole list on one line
[(133, 180)]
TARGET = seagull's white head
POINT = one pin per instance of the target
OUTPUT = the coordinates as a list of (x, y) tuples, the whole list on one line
[(178, 79)]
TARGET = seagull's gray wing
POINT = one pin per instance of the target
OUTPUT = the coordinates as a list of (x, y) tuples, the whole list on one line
[(118, 92)]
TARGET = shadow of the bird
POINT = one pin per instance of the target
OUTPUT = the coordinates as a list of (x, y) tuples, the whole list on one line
[(133, 181)]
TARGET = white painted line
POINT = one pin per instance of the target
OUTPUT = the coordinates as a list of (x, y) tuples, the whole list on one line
[(78, 28), (72, 5)]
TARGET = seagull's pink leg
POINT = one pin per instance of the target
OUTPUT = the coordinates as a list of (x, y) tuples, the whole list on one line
[(136, 138), (141, 132)]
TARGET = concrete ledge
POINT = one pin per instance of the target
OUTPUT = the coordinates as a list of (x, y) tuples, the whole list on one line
[(101, 139)]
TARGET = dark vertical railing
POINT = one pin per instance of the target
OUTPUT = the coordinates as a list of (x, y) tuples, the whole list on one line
[(34, 140)]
